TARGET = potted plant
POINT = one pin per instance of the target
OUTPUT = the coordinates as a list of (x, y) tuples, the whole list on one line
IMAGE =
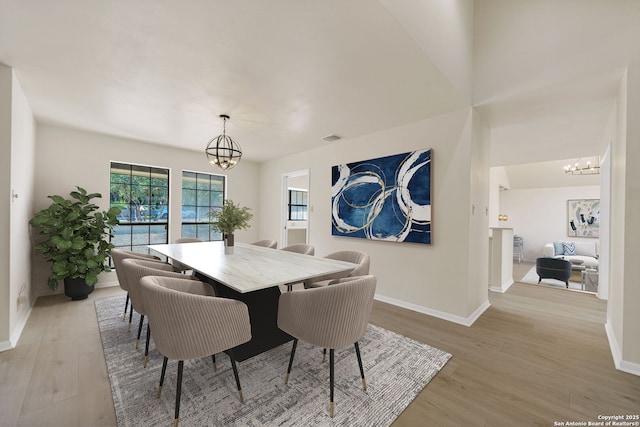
[(75, 241), (229, 218)]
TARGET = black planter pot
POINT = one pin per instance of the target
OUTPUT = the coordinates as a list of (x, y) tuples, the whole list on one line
[(77, 289)]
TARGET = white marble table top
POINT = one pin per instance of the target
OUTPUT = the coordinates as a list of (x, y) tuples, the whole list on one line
[(250, 267)]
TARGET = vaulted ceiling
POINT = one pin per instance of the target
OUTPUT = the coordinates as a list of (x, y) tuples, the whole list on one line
[(544, 73)]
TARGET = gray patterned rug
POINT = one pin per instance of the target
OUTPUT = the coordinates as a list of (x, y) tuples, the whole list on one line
[(397, 369)]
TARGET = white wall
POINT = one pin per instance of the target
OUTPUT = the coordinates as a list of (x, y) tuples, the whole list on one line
[(623, 316), (615, 307), (23, 140), (498, 179), (540, 215), (501, 259), (630, 343), (17, 141), (478, 246), (605, 206), (433, 277), (66, 157), (5, 208)]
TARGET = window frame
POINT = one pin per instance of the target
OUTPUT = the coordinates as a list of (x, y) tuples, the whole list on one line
[(198, 223), (297, 192), (146, 209)]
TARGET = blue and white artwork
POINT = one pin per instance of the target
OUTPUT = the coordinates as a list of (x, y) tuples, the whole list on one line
[(388, 198)]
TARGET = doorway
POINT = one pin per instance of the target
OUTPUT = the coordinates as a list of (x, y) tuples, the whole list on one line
[(295, 207)]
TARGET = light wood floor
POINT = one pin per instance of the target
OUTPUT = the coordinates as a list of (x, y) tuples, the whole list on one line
[(536, 356)]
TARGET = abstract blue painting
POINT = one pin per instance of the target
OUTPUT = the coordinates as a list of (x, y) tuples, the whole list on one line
[(388, 198)]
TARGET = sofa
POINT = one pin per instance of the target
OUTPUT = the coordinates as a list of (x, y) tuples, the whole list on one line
[(585, 251)]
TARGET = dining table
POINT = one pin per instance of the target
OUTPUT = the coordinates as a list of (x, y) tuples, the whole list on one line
[(254, 275)]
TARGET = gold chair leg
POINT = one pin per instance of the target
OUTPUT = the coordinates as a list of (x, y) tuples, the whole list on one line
[(159, 391), (146, 359), (331, 409), (175, 422)]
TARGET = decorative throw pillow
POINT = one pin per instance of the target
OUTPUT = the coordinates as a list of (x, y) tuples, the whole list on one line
[(558, 249), (569, 248), (586, 249)]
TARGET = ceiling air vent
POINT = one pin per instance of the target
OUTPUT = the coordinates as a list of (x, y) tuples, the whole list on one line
[(332, 138)]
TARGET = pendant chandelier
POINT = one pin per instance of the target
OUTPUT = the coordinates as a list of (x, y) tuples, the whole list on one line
[(584, 168), (222, 151)]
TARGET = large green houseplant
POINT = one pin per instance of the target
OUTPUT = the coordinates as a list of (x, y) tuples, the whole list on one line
[(229, 218), (75, 239)]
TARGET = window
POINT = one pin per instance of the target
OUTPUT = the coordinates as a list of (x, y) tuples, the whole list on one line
[(142, 194), (201, 192), (297, 205)]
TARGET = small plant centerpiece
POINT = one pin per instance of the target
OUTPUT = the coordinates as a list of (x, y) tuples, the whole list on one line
[(75, 241), (229, 218)]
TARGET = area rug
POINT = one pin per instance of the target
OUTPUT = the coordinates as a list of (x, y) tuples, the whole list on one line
[(397, 369), (532, 278)]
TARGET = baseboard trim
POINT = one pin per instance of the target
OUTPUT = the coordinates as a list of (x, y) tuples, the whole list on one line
[(15, 335), (465, 321), (620, 364), (17, 332), (503, 288)]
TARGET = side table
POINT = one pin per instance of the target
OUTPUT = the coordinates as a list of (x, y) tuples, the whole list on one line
[(590, 280)]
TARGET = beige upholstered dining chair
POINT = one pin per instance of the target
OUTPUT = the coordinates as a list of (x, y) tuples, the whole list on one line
[(187, 326), (118, 255), (136, 269), (331, 317), (355, 257), (177, 264), (272, 244), (301, 248), (188, 240)]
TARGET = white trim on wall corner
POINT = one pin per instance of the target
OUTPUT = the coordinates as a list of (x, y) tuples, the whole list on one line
[(621, 365), (17, 332), (15, 336), (465, 321), (503, 288)]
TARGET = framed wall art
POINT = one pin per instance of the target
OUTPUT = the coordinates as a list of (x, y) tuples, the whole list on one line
[(583, 218), (388, 198)]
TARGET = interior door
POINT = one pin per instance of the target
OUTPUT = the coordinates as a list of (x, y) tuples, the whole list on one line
[(295, 208)]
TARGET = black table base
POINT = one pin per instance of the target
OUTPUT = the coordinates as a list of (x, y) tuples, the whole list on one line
[(263, 313)]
